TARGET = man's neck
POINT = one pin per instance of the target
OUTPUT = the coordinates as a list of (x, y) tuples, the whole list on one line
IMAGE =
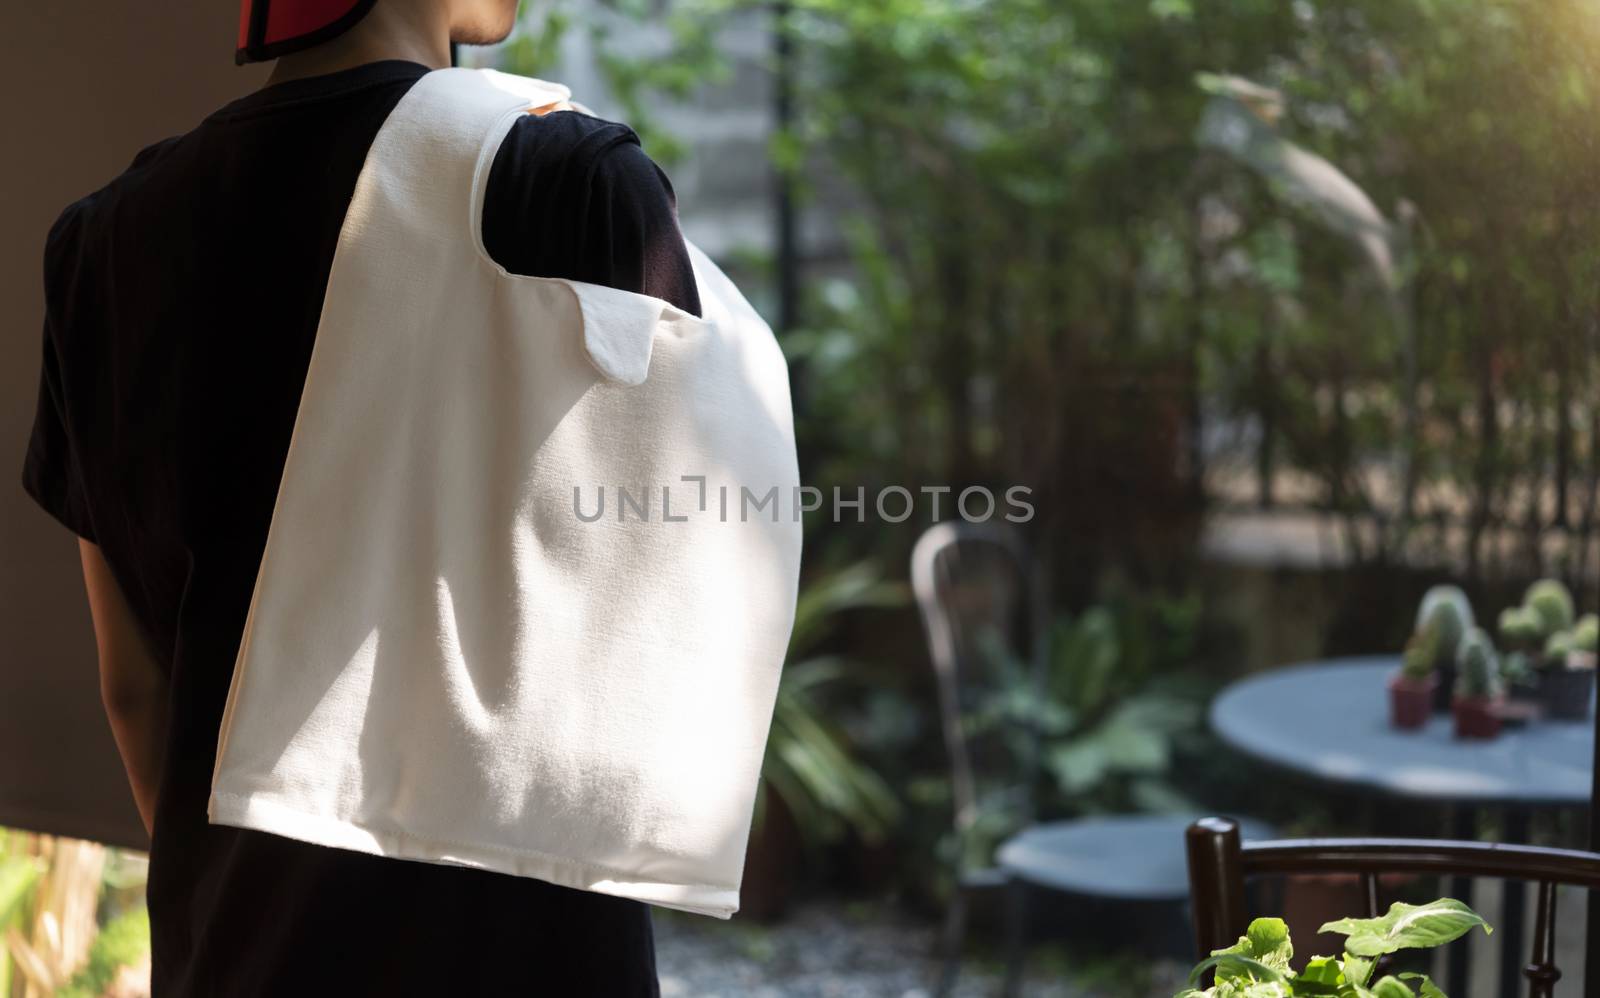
[(414, 32)]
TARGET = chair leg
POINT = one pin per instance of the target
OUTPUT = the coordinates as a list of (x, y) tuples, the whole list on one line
[(952, 942), (1016, 932)]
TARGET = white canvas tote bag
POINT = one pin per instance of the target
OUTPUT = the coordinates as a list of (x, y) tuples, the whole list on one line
[(448, 656)]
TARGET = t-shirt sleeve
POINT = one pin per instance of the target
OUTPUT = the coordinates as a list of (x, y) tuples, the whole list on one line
[(50, 470), (572, 196), (53, 463)]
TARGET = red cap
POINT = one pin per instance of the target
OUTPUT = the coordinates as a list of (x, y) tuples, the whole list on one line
[(270, 28)]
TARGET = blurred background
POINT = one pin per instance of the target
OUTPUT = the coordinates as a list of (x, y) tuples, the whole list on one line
[(1286, 314)]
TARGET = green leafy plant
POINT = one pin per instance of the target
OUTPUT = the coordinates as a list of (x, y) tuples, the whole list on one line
[(1258, 965), (1060, 231), (809, 761), (1105, 735)]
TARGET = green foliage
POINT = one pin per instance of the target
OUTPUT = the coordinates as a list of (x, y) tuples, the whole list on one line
[(536, 45), (1258, 965), (857, 587), (1056, 277), (18, 874), (1477, 666), (1551, 602), (1039, 214), (685, 58), (123, 942), (1118, 730), (1105, 734), (1407, 926), (809, 761)]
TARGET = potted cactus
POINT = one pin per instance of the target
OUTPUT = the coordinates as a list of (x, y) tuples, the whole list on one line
[(1552, 603), (1569, 672), (1522, 636), (1586, 634), (1412, 688), (1448, 609), (1547, 632), (1478, 695)]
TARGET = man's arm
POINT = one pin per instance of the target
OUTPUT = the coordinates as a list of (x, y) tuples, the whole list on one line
[(133, 686)]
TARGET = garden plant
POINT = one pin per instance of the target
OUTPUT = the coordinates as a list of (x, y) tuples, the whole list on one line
[(1258, 965), (1479, 688)]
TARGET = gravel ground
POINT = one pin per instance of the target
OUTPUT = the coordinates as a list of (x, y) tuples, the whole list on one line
[(841, 950)]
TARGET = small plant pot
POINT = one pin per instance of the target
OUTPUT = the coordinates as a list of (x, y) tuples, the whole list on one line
[(1522, 681), (1477, 717), (1445, 679), (1567, 693), (1526, 690), (1411, 700)]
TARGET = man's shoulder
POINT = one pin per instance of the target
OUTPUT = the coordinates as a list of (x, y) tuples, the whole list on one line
[(574, 195), (567, 158), (562, 138), (75, 226)]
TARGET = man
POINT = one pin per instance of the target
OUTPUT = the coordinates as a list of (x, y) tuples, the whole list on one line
[(181, 304)]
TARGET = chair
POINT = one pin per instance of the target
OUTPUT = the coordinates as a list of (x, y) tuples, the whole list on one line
[(1219, 865), (973, 584)]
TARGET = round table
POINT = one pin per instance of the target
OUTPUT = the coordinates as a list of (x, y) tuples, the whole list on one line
[(1329, 720)]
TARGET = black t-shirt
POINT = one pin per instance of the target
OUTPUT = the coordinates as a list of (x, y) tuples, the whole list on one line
[(181, 304)]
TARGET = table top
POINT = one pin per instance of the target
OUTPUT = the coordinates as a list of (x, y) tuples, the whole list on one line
[(1330, 720)]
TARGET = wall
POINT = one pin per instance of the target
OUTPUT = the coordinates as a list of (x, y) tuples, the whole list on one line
[(87, 86)]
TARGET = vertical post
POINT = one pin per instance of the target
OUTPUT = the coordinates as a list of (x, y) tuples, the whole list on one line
[(1267, 410), (787, 249), (1542, 972), (1591, 949), (1514, 895), (1369, 891), (1016, 936), (1216, 884), (1458, 956)]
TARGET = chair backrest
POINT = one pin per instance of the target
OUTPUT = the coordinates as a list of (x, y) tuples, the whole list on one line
[(975, 593), (1219, 865)]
